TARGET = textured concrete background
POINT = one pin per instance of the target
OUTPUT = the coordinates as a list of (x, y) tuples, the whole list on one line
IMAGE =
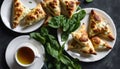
[(112, 61)]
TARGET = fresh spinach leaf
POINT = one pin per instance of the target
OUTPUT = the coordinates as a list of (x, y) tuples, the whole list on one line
[(32, 35), (71, 29), (64, 36), (79, 15), (78, 8), (50, 65), (62, 48), (69, 67), (55, 22), (43, 31), (50, 38), (38, 37), (89, 1), (65, 25), (58, 65), (74, 23), (53, 42), (74, 27), (64, 59), (53, 52)]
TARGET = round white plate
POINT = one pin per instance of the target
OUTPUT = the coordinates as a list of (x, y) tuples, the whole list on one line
[(100, 54), (15, 44), (6, 11)]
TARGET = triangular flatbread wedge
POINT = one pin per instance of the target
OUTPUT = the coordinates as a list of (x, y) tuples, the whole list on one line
[(74, 46), (19, 12), (99, 26), (99, 44), (107, 34), (81, 37), (68, 7), (34, 16), (52, 7)]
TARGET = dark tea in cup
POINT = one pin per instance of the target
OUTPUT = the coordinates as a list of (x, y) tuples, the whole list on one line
[(26, 54)]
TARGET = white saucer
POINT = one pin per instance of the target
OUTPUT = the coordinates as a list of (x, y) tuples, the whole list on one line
[(6, 11), (15, 44), (101, 54)]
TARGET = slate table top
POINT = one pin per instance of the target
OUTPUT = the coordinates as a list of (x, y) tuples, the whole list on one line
[(111, 61)]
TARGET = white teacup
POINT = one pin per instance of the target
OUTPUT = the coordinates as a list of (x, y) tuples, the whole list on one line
[(26, 54)]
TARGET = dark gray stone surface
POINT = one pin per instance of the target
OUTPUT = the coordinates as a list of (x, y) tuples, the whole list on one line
[(112, 61)]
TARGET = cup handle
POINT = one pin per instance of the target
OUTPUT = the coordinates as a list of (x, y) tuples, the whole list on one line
[(38, 56)]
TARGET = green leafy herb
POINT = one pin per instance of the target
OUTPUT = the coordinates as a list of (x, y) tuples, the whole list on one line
[(38, 37), (79, 8), (43, 31), (55, 54), (30, 2), (55, 22), (52, 51), (68, 25), (64, 36), (89, 1)]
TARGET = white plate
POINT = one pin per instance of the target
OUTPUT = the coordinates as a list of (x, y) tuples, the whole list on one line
[(6, 10), (15, 44), (99, 55)]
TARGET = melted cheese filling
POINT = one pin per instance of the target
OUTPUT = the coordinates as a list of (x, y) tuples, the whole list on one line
[(101, 25), (101, 45)]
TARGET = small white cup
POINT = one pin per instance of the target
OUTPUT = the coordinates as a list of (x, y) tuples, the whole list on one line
[(26, 50)]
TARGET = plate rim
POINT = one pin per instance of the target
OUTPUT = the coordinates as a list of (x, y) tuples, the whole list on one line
[(19, 37), (103, 12)]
